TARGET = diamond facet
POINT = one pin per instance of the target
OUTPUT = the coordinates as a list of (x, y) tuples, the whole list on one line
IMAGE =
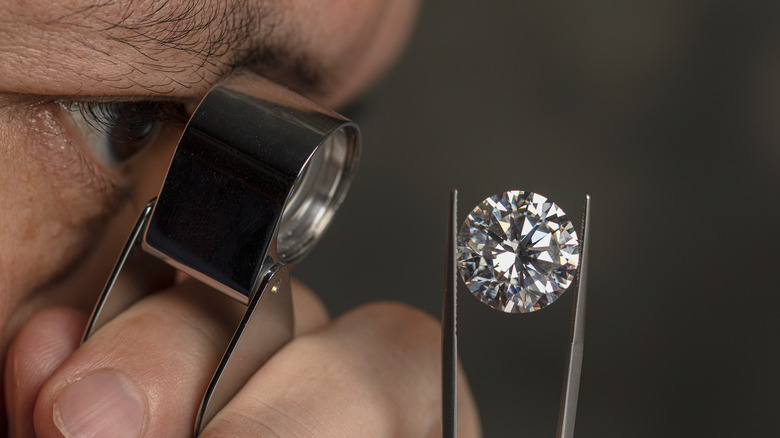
[(517, 252)]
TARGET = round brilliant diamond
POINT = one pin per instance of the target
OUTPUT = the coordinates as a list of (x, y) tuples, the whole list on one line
[(517, 252)]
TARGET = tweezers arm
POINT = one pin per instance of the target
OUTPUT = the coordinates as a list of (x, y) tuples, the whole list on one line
[(135, 275), (449, 339), (571, 383)]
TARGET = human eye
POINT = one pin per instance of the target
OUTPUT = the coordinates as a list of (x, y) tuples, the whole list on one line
[(114, 132)]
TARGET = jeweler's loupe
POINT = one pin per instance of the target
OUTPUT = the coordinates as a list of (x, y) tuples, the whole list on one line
[(255, 179)]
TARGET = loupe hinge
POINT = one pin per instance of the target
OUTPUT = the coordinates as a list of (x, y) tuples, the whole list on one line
[(266, 327)]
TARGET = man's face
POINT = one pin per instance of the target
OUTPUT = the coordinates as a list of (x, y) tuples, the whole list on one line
[(91, 94)]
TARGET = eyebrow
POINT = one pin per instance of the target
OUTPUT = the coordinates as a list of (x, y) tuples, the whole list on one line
[(213, 37)]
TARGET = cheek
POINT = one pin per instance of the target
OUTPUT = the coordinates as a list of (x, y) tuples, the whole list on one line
[(49, 203), (62, 223)]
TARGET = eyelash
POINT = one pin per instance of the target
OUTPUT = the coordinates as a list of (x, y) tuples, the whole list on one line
[(108, 133), (101, 117)]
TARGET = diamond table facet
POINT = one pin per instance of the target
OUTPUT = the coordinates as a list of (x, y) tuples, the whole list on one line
[(517, 252)]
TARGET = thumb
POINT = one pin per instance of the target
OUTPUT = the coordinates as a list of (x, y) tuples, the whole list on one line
[(43, 343)]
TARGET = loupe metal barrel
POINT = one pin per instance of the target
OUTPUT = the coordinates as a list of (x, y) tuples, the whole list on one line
[(254, 160)]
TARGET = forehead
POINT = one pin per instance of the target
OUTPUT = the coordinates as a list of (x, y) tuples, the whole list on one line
[(109, 47)]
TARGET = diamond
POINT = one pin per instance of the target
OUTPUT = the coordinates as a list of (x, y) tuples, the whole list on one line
[(517, 252)]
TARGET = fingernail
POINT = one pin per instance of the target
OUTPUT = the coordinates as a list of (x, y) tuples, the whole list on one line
[(100, 405)]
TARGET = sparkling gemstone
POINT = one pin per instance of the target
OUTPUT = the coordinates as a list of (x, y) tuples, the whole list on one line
[(517, 252)]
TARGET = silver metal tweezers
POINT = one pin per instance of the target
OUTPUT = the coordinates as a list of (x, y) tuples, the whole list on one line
[(571, 384)]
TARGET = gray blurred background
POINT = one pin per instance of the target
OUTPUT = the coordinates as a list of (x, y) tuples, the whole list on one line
[(667, 114)]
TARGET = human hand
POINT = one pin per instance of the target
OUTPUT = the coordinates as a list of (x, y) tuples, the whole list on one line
[(67, 200), (371, 372)]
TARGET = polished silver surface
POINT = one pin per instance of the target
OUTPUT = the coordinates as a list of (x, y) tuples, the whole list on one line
[(252, 153), (571, 383), (255, 179)]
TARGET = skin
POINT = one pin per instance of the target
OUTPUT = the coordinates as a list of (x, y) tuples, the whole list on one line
[(64, 215)]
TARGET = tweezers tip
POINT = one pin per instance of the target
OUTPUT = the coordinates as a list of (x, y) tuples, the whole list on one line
[(571, 387)]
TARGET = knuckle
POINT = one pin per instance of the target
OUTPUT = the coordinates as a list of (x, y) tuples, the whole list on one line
[(265, 423), (374, 372), (398, 331), (391, 315), (41, 340)]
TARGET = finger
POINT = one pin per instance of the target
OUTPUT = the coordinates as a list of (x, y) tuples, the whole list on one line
[(42, 344), (310, 312), (144, 373), (373, 372), (469, 424)]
